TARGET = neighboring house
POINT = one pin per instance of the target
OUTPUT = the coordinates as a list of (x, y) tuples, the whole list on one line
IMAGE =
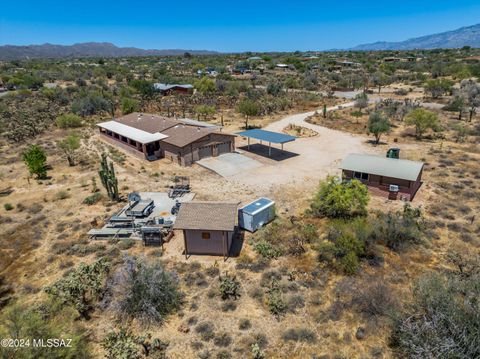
[(168, 89), (152, 137), (389, 177), (208, 227)]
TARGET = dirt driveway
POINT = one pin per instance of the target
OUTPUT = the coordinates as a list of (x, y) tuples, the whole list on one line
[(310, 159)]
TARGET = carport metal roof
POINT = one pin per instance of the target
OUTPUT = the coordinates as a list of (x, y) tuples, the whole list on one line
[(267, 136)]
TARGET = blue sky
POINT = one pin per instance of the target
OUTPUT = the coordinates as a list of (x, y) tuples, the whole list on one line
[(230, 26)]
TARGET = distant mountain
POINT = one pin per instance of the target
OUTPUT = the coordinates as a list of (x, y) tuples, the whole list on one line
[(87, 49), (465, 36)]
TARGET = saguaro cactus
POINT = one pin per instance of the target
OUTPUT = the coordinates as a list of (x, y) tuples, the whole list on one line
[(109, 180)]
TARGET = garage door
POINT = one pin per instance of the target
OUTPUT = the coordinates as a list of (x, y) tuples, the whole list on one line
[(204, 152), (223, 148)]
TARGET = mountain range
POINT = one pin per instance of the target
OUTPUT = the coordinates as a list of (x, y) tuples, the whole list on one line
[(87, 49), (465, 36)]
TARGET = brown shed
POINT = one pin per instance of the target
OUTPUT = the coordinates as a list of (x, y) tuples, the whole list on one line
[(208, 227)]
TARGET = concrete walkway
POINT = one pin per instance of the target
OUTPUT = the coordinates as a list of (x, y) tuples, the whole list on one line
[(229, 164)]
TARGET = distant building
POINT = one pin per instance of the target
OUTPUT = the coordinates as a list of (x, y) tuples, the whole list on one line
[(208, 227), (168, 89), (152, 137), (255, 58), (389, 177), (391, 59)]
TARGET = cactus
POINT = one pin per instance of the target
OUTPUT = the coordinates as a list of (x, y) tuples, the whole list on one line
[(109, 180)]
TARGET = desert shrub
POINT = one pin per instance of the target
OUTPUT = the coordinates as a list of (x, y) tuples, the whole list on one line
[(126, 243), (222, 339), (337, 199), (374, 298), (299, 335), (81, 287), (295, 302), (275, 302), (223, 354), (124, 345), (229, 306), (443, 320), (8, 206), (92, 199), (61, 195), (343, 247), (267, 250), (145, 291), (244, 324), (19, 322), (269, 276), (205, 330), (229, 286), (212, 271), (398, 229), (121, 345), (68, 120)]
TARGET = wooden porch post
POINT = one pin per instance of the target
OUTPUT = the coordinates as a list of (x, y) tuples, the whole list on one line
[(185, 243)]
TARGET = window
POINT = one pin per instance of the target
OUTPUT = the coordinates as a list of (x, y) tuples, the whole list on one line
[(360, 175), (205, 235)]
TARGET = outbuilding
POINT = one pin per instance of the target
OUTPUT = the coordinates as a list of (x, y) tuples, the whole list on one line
[(208, 227), (256, 214), (390, 177)]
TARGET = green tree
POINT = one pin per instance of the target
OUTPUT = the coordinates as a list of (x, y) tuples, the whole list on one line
[(68, 120), (35, 159), (69, 146), (378, 124), (19, 322), (248, 108), (361, 101), (80, 287), (129, 105), (438, 87), (340, 199), (205, 111), (422, 120), (205, 86)]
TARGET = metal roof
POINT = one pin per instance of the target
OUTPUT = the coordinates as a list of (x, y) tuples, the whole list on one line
[(208, 216), (165, 87), (267, 136), (132, 132), (382, 166), (257, 206)]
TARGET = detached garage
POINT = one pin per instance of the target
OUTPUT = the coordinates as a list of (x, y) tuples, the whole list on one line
[(208, 227)]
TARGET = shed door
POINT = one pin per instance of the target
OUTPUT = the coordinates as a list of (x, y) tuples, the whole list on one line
[(204, 152), (224, 148)]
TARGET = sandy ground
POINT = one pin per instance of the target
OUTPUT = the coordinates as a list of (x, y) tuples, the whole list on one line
[(308, 160)]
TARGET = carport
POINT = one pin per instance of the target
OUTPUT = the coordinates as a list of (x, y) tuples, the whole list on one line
[(267, 136)]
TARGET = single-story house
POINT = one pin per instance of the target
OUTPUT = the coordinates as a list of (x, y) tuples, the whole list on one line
[(168, 89), (208, 227), (153, 137), (390, 177)]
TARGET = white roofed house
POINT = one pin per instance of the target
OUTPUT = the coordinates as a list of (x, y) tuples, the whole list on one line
[(390, 177)]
